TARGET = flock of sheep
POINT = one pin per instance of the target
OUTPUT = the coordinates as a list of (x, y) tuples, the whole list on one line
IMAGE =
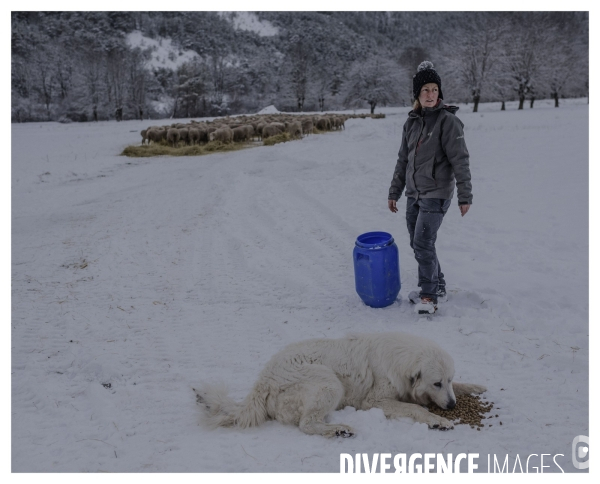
[(244, 128)]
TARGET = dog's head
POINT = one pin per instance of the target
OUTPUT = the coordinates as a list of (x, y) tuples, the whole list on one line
[(431, 379)]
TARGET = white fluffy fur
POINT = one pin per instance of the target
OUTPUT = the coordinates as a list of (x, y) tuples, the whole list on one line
[(305, 381)]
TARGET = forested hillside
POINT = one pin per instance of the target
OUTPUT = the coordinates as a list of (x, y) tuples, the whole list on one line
[(86, 66)]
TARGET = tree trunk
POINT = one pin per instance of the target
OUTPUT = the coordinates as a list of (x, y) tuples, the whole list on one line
[(475, 103), (174, 108), (555, 96), (373, 104), (521, 101), (503, 108), (531, 102), (47, 100)]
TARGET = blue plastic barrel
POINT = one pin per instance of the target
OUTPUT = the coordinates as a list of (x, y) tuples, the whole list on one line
[(376, 269)]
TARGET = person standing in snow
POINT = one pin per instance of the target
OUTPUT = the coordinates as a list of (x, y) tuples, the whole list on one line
[(433, 158)]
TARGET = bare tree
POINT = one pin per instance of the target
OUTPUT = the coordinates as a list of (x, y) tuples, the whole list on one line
[(410, 58), (374, 82), (475, 50), (137, 75), (328, 82), (45, 84), (116, 78), (501, 88), (191, 88), (562, 63), (92, 66), (22, 86), (63, 73), (525, 53), (297, 67), (221, 72)]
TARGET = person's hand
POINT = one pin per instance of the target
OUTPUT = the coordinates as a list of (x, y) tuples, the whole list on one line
[(392, 206), (464, 209)]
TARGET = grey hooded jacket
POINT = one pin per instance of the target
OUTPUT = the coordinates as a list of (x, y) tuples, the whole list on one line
[(433, 157)]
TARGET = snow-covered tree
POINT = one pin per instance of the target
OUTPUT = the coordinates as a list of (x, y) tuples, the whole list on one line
[(297, 69), (474, 51), (374, 82), (563, 61), (116, 78), (222, 78), (137, 80), (80, 64), (525, 53), (92, 65), (410, 58), (192, 89), (328, 82)]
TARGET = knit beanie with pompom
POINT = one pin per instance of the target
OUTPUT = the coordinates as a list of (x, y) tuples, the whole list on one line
[(426, 74)]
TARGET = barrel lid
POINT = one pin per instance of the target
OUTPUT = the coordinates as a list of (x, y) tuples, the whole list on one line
[(374, 240)]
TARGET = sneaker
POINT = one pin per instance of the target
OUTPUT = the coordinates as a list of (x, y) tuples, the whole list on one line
[(441, 294), (425, 306)]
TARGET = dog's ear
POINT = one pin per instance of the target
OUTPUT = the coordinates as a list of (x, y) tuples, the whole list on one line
[(414, 379)]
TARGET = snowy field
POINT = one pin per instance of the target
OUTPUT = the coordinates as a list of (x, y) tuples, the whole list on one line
[(135, 279)]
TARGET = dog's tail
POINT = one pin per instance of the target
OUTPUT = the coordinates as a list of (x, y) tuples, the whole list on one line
[(222, 411)]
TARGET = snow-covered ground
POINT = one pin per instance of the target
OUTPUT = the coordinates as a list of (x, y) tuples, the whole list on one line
[(135, 279)]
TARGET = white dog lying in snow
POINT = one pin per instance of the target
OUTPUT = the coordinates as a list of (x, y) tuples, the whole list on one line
[(304, 382)]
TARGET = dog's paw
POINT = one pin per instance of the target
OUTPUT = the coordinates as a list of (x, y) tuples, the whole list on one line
[(467, 388), (343, 431), (441, 424), (477, 389)]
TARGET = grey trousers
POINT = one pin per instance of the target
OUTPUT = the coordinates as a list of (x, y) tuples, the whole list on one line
[(423, 219)]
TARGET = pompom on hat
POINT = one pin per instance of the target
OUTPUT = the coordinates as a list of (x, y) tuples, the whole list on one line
[(426, 74)]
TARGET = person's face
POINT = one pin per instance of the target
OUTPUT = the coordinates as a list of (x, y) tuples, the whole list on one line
[(429, 95)]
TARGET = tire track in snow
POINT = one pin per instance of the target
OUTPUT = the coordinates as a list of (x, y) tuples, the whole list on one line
[(304, 258)]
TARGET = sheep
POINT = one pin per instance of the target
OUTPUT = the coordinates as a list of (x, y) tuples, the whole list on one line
[(279, 126), (294, 128), (307, 126), (239, 134), (184, 135), (173, 136), (154, 135), (222, 134), (336, 122), (194, 135), (271, 129), (249, 131), (259, 128), (323, 124), (203, 134), (145, 132), (243, 132)]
